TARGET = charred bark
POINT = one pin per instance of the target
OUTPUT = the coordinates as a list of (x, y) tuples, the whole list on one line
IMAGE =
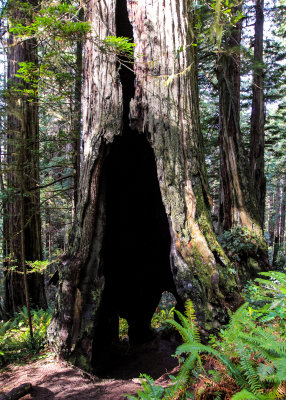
[(143, 220)]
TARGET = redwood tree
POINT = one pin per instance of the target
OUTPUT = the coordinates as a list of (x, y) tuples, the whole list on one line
[(239, 206), (238, 203), (23, 167), (143, 217), (257, 114)]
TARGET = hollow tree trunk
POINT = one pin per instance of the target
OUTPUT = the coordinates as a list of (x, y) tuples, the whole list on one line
[(143, 220), (257, 115), (23, 172)]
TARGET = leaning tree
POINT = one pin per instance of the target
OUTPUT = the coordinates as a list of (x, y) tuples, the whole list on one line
[(143, 222)]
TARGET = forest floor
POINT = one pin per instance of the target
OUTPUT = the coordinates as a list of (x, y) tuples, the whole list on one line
[(53, 379)]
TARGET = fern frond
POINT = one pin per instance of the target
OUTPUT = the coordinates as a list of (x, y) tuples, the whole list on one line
[(234, 371), (265, 342), (191, 317), (272, 285), (248, 370), (150, 391), (187, 327), (246, 395), (280, 365), (182, 331), (278, 276), (185, 371), (195, 348), (265, 371), (281, 390)]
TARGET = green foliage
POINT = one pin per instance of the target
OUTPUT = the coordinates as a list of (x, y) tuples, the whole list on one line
[(37, 266), (252, 351), (226, 14), (62, 22), (259, 347), (33, 266), (15, 340), (150, 391), (59, 20), (161, 317), (239, 243), (119, 45), (123, 329), (188, 329), (214, 18), (267, 300)]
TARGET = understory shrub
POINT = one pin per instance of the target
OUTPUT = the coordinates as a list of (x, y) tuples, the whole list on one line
[(15, 340), (239, 242)]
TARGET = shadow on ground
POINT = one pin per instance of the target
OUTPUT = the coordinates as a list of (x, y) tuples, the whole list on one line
[(52, 379)]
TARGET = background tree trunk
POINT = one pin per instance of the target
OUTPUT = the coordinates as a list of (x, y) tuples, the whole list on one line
[(238, 199), (257, 114), (143, 220), (76, 119), (23, 172), (277, 205), (283, 212)]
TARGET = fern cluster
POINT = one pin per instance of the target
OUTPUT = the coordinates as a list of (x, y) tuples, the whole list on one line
[(249, 356), (260, 357), (15, 340)]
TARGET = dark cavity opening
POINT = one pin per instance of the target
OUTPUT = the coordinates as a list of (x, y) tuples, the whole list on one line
[(136, 247)]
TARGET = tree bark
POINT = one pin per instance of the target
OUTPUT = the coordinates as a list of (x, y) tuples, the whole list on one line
[(271, 217), (277, 204), (283, 212), (143, 221), (76, 119), (23, 171), (258, 114), (238, 202)]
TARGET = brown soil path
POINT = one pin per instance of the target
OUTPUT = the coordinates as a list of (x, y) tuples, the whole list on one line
[(52, 379)]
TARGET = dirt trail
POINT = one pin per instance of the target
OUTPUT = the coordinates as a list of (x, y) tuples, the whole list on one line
[(52, 379)]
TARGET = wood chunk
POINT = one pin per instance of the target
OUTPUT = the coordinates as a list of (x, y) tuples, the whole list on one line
[(17, 392)]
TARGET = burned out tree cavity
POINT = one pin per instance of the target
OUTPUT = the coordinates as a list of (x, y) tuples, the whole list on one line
[(136, 244)]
